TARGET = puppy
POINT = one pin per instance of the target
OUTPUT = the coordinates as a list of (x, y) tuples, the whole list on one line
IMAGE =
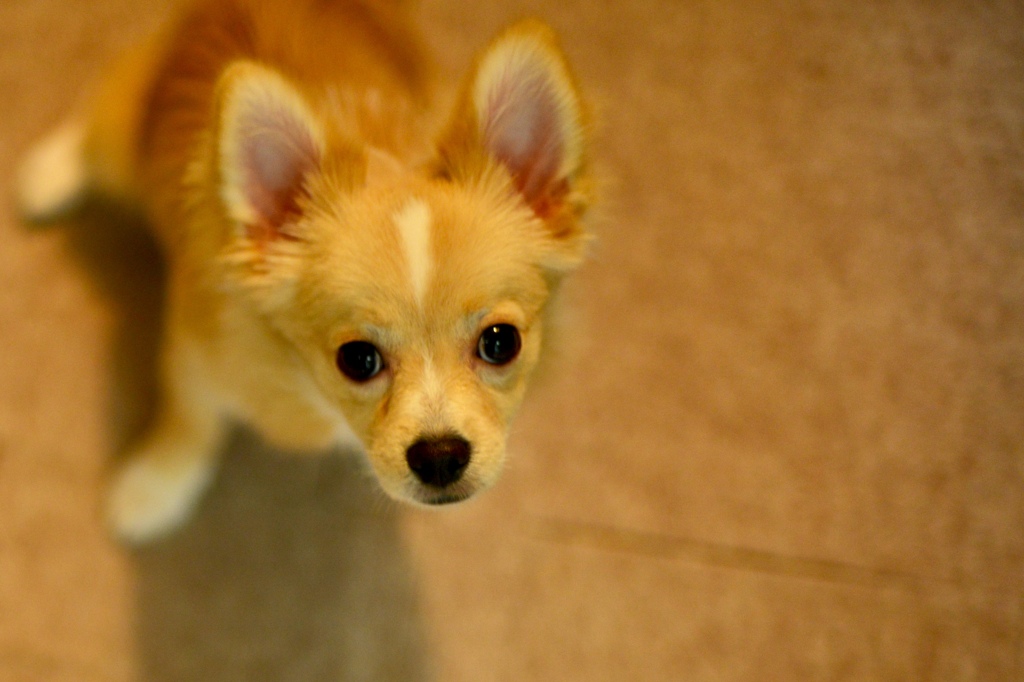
[(341, 269)]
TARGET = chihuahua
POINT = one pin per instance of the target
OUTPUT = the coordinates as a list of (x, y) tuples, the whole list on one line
[(344, 266)]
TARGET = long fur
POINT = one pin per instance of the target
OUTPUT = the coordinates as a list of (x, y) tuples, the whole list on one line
[(289, 159)]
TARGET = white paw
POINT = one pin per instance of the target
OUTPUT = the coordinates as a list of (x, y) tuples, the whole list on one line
[(53, 176), (147, 501)]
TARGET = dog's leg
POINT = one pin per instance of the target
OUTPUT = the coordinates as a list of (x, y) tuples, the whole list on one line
[(161, 481)]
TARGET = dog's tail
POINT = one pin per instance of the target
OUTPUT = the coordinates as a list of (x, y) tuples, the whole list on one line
[(92, 151)]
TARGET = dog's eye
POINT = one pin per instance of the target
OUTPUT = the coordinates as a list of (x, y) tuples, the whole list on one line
[(359, 360), (498, 344)]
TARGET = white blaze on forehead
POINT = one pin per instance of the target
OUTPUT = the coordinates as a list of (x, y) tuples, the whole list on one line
[(413, 222)]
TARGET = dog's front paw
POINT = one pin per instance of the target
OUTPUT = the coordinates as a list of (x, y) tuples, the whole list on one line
[(148, 499)]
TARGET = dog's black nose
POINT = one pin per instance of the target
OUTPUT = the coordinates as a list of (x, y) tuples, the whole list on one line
[(438, 461)]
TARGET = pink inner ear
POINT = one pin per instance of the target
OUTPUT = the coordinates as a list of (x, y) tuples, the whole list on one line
[(275, 152), (523, 132)]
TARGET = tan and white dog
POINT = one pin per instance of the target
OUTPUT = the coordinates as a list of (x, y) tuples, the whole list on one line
[(339, 271)]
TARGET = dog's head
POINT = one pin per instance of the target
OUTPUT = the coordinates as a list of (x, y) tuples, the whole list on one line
[(417, 295)]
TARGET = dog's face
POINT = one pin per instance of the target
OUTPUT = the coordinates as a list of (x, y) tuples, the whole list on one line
[(417, 296), (422, 317)]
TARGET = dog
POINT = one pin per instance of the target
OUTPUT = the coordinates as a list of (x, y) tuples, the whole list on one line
[(344, 265)]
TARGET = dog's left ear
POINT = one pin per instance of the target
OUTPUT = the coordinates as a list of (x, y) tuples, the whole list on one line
[(520, 109)]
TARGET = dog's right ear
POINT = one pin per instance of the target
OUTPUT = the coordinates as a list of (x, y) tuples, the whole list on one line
[(268, 144)]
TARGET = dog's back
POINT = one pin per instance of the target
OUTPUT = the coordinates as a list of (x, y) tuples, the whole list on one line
[(347, 54)]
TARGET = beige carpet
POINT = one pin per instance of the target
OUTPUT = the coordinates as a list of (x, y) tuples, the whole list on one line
[(787, 441)]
